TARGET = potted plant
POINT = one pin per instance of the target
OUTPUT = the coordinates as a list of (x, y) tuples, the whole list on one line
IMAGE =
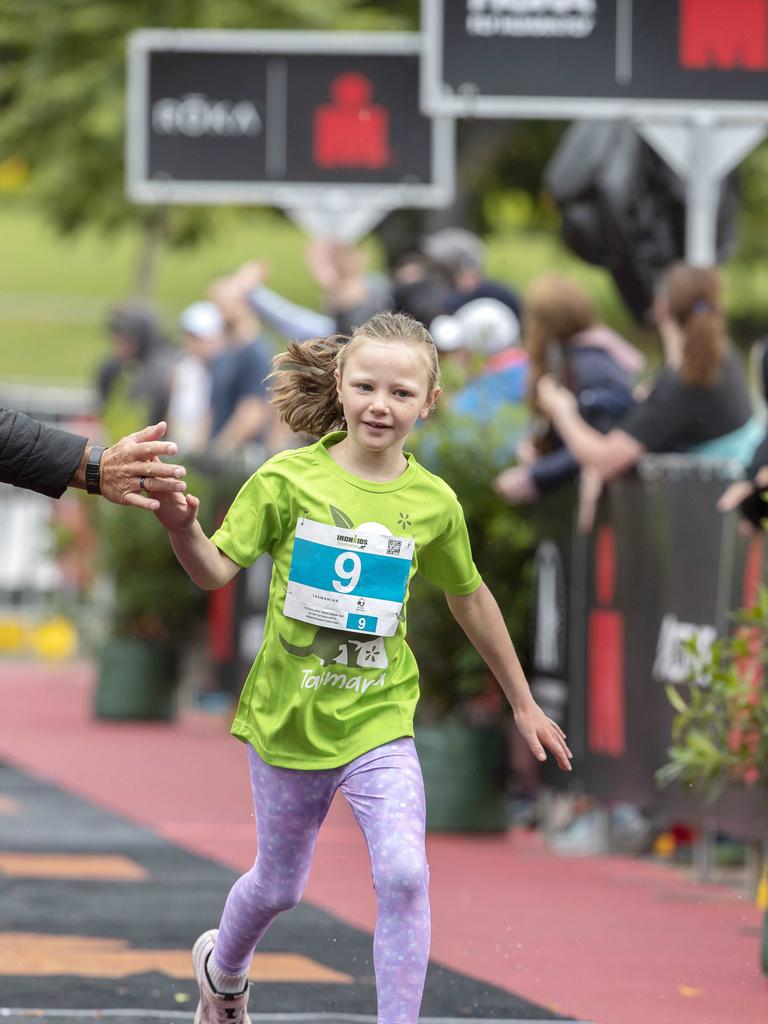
[(152, 607), (460, 724), (720, 729)]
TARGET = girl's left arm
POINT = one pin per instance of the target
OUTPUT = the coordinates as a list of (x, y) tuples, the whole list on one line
[(479, 616)]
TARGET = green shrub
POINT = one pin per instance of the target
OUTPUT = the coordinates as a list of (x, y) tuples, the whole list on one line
[(720, 731), (468, 455)]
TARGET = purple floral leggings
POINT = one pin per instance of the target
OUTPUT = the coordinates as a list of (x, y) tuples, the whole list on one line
[(385, 790)]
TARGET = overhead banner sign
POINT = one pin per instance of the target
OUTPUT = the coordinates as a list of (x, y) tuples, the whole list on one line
[(595, 58), (282, 118)]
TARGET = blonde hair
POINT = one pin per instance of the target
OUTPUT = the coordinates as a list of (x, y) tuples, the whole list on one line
[(303, 377), (695, 304)]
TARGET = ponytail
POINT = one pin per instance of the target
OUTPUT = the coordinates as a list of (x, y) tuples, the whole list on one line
[(304, 385), (693, 294), (705, 345)]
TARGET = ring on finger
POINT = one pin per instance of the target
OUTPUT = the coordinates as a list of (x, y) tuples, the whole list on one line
[(142, 483)]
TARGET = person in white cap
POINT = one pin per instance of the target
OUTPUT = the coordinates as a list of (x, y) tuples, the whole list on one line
[(488, 330), (202, 328)]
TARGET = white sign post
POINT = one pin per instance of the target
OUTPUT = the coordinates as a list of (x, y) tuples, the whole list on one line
[(692, 76)]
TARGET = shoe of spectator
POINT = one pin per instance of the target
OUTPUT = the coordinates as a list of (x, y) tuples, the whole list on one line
[(586, 836), (630, 830)]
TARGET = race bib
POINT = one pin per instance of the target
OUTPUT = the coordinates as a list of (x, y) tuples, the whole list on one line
[(344, 579)]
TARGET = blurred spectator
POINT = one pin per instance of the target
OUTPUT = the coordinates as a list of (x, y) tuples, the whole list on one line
[(487, 329), (595, 364), (748, 495), (420, 287), (240, 411), (462, 256), (700, 401), (350, 293), (202, 339), (139, 368)]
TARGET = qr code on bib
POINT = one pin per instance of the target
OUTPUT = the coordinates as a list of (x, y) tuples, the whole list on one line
[(393, 546)]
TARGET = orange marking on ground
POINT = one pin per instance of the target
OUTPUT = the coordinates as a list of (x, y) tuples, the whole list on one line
[(83, 866), (8, 806), (34, 955)]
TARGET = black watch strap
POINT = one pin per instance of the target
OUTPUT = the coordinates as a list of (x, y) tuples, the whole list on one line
[(93, 470)]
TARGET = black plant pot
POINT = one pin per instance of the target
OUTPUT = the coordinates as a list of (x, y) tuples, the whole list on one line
[(136, 680), (464, 776)]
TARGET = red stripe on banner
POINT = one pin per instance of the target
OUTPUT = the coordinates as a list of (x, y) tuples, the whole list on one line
[(606, 733), (753, 570), (605, 565)]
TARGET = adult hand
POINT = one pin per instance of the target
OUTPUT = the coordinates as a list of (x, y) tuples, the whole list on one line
[(526, 452), (552, 398), (251, 274), (133, 463), (516, 485), (321, 257), (539, 732), (733, 496), (590, 488)]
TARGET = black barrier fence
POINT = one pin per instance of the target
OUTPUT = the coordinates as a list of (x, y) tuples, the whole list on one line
[(613, 611)]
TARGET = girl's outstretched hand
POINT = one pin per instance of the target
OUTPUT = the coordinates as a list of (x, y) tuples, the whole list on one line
[(177, 511), (539, 732)]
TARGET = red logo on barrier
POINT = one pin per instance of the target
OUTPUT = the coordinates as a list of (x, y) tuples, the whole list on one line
[(724, 34), (605, 682), (351, 131)]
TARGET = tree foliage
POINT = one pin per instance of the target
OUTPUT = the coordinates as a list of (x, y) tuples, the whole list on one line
[(62, 91)]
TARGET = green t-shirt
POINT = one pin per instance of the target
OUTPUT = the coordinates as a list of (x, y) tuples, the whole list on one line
[(319, 697)]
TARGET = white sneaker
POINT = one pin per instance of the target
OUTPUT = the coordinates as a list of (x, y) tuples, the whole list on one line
[(215, 1007)]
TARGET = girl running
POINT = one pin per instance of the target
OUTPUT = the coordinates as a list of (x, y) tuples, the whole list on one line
[(329, 701)]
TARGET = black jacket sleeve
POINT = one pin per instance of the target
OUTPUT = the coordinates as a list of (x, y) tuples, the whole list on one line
[(36, 456)]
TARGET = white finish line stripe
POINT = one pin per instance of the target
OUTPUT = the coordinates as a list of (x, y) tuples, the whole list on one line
[(308, 1018)]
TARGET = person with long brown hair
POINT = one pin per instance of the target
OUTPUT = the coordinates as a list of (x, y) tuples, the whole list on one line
[(699, 403), (329, 703), (564, 337)]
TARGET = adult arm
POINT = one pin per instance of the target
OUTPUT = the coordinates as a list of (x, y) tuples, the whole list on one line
[(479, 616), (746, 494), (288, 318), (610, 454), (252, 412), (249, 420), (47, 460), (38, 457)]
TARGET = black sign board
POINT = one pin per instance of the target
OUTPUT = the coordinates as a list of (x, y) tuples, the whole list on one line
[(281, 118), (593, 58)]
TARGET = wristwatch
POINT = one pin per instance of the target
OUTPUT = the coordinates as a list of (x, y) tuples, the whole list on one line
[(93, 470)]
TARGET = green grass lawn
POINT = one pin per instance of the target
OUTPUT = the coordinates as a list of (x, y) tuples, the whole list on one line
[(54, 292)]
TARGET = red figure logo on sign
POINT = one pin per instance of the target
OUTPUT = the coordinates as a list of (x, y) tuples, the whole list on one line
[(724, 34), (351, 131)]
